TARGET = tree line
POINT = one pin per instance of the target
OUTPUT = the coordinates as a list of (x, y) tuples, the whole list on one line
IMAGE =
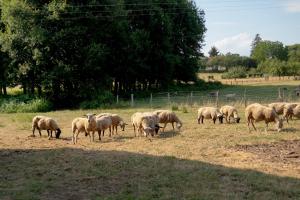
[(73, 50), (267, 57)]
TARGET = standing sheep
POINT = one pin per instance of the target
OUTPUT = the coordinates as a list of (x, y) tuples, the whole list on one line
[(45, 123), (209, 113), (116, 121), (103, 123), (147, 122), (257, 112), (296, 111), (167, 116), (230, 111), (288, 111), (85, 125)]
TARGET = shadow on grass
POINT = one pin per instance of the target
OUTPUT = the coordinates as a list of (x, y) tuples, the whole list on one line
[(168, 134), (79, 174)]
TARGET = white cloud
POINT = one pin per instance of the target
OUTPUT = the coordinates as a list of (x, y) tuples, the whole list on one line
[(240, 44), (224, 23), (292, 5)]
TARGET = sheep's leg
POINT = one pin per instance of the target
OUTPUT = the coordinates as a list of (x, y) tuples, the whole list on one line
[(40, 132), (76, 137), (164, 127), (228, 119), (253, 125), (93, 134), (198, 120), (116, 130), (214, 120), (173, 126), (202, 120), (102, 133), (33, 130), (99, 134), (48, 133), (110, 130)]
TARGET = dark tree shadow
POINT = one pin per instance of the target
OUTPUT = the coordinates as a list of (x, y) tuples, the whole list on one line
[(69, 173)]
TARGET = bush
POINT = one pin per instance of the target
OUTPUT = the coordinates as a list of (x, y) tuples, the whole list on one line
[(15, 105), (235, 72), (106, 99)]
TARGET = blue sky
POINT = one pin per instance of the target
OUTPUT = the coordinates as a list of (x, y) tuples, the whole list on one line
[(232, 24)]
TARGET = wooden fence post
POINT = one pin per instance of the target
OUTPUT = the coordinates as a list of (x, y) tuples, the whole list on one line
[(132, 100), (151, 98), (217, 99)]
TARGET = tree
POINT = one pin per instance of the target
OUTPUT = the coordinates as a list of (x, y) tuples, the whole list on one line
[(213, 52), (294, 53), (255, 42), (270, 50)]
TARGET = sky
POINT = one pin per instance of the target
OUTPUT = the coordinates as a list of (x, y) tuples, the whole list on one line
[(232, 24)]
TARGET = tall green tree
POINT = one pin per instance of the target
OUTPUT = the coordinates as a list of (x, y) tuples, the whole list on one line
[(255, 42), (213, 52)]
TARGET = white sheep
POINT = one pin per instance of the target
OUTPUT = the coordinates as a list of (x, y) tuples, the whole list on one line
[(145, 122), (167, 116), (116, 121), (209, 113), (257, 112), (45, 123), (86, 124), (103, 123), (228, 112), (296, 111)]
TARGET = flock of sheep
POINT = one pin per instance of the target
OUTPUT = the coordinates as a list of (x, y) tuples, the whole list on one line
[(147, 123)]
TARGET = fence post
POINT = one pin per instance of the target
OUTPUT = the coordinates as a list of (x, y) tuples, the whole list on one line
[(191, 97), (217, 99), (169, 98), (151, 100), (132, 100), (117, 99), (245, 98)]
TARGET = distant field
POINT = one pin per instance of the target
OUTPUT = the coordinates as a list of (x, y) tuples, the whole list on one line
[(200, 162)]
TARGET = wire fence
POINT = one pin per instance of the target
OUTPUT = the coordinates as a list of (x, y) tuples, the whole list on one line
[(240, 96)]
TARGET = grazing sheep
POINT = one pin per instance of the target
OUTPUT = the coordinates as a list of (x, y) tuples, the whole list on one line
[(116, 121), (209, 113), (147, 122), (103, 123), (45, 123), (257, 112), (230, 111), (85, 125), (288, 111), (278, 107), (167, 116)]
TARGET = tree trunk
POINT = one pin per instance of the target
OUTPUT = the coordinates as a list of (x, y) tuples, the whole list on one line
[(39, 89)]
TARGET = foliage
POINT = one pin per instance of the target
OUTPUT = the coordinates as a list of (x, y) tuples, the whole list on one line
[(23, 105), (235, 72), (75, 50), (265, 50), (231, 60), (294, 53), (255, 42), (99, 101), (213, 52)]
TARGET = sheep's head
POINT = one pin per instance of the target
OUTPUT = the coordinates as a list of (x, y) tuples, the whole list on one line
[(149, 131), (179, 125), (279, 125), (90, 117), (122, 125), (220, 117), (237, 119), (58, 132)]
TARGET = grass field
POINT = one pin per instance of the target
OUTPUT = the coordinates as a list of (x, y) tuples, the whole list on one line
[(222, 161)]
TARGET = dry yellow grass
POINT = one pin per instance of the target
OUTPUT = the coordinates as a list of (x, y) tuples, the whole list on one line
[(200, 162)]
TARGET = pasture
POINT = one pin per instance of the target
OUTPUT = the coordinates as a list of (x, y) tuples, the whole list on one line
[(222, 161)]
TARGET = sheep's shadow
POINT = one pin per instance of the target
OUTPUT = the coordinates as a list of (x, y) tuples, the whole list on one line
[(168, 134), (290, 130)]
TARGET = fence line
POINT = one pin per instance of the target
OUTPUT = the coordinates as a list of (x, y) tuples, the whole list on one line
[(217, 98)]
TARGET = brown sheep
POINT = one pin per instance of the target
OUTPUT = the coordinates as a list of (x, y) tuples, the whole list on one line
[(278, 107), (228, 112), (209, 113), (257, 112), (86, 124)]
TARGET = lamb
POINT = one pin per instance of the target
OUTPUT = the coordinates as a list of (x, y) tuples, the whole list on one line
[(230, 111), (257, 112), (86, 124), (116, 121), (278, 107), (45, 123), (167, 116), (209, 113)]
